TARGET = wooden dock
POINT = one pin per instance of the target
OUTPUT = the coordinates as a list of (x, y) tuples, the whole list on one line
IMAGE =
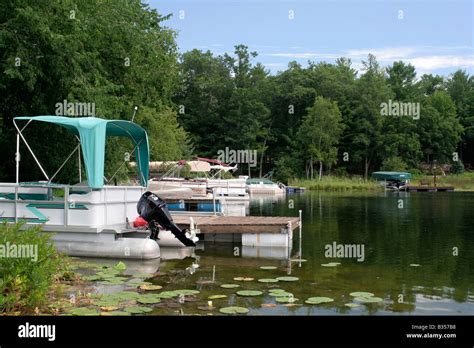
[(423, 188), (239, 224)]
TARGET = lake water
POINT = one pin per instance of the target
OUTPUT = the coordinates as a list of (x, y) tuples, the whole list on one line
[(417, 257)]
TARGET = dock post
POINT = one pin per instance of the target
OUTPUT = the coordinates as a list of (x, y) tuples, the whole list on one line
[(16, 203), (214, 200), (300, 234), (288, 231)]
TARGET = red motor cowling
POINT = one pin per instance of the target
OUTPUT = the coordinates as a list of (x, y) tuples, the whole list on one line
[(140, 222)]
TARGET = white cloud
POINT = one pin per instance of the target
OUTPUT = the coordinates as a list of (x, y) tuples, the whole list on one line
[(424, 58)]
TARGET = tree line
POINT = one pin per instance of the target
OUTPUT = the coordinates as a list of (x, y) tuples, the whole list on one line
[(306, 121), (303, 121)]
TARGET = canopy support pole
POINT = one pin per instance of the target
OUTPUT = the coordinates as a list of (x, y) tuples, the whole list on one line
[(79, 160), (17, 159), (64, 163), (29, 148), (123, 163)]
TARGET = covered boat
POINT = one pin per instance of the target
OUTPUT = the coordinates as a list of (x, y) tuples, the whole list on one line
[(92, 217), (393, 180)]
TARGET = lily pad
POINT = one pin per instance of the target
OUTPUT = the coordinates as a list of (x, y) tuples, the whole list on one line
[(230, 286), (137, 310), (144, 299), (351, 305), (369, 299), (268, 280), (268, 267), (249, 293), (83, 311), (280, 294), (298, 260), (361, 294), (186, 292), (234, 310), (216, 297), (167, 294), (414, 265), (125, 295), (331, 264), (318, 300), (116, 313), (108, 308), (288, 279), (150, 287), (243, 279)]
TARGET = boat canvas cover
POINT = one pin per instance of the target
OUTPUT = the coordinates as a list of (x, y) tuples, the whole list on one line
[(92, 132), (381, 176)]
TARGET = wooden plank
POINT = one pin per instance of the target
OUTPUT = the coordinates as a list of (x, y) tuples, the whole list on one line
[(238, 224)]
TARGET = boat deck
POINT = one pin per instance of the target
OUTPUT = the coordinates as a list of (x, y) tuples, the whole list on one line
[(238, 224)]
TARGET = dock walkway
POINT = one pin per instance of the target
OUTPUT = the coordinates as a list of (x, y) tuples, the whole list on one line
[(239, 224)]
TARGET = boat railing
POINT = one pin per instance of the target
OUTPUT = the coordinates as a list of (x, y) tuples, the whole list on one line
[(81, 196)]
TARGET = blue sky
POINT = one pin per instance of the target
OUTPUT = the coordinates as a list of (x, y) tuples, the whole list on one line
[(435, 36)]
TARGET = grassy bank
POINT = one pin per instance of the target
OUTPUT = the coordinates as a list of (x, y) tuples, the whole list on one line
[(333, 183), (461, 182)]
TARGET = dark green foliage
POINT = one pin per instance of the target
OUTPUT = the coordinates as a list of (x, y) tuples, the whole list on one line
[(25, 282), (116, 54)]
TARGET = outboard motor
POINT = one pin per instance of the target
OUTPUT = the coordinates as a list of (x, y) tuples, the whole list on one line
[(155, 211)]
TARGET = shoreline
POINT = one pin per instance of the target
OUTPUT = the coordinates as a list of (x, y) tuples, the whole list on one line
[(461, 183)]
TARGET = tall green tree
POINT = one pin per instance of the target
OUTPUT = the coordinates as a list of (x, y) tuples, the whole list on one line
[(319, 134), (460, 86), (440, 130), (366, 123)]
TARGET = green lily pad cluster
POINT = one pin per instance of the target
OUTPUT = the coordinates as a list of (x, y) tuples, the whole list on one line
[(148, 299), (249, 293), (108, 275), (268, 267), (288, 279), (83, 311), (318, 300), (365, 297), (279, 293), (234, 310), (137, 310)]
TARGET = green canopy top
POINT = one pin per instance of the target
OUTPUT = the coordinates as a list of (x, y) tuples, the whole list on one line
[(391, 176), (92, 132)]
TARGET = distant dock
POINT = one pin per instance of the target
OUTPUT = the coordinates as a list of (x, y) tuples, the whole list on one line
[(423, 188)]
